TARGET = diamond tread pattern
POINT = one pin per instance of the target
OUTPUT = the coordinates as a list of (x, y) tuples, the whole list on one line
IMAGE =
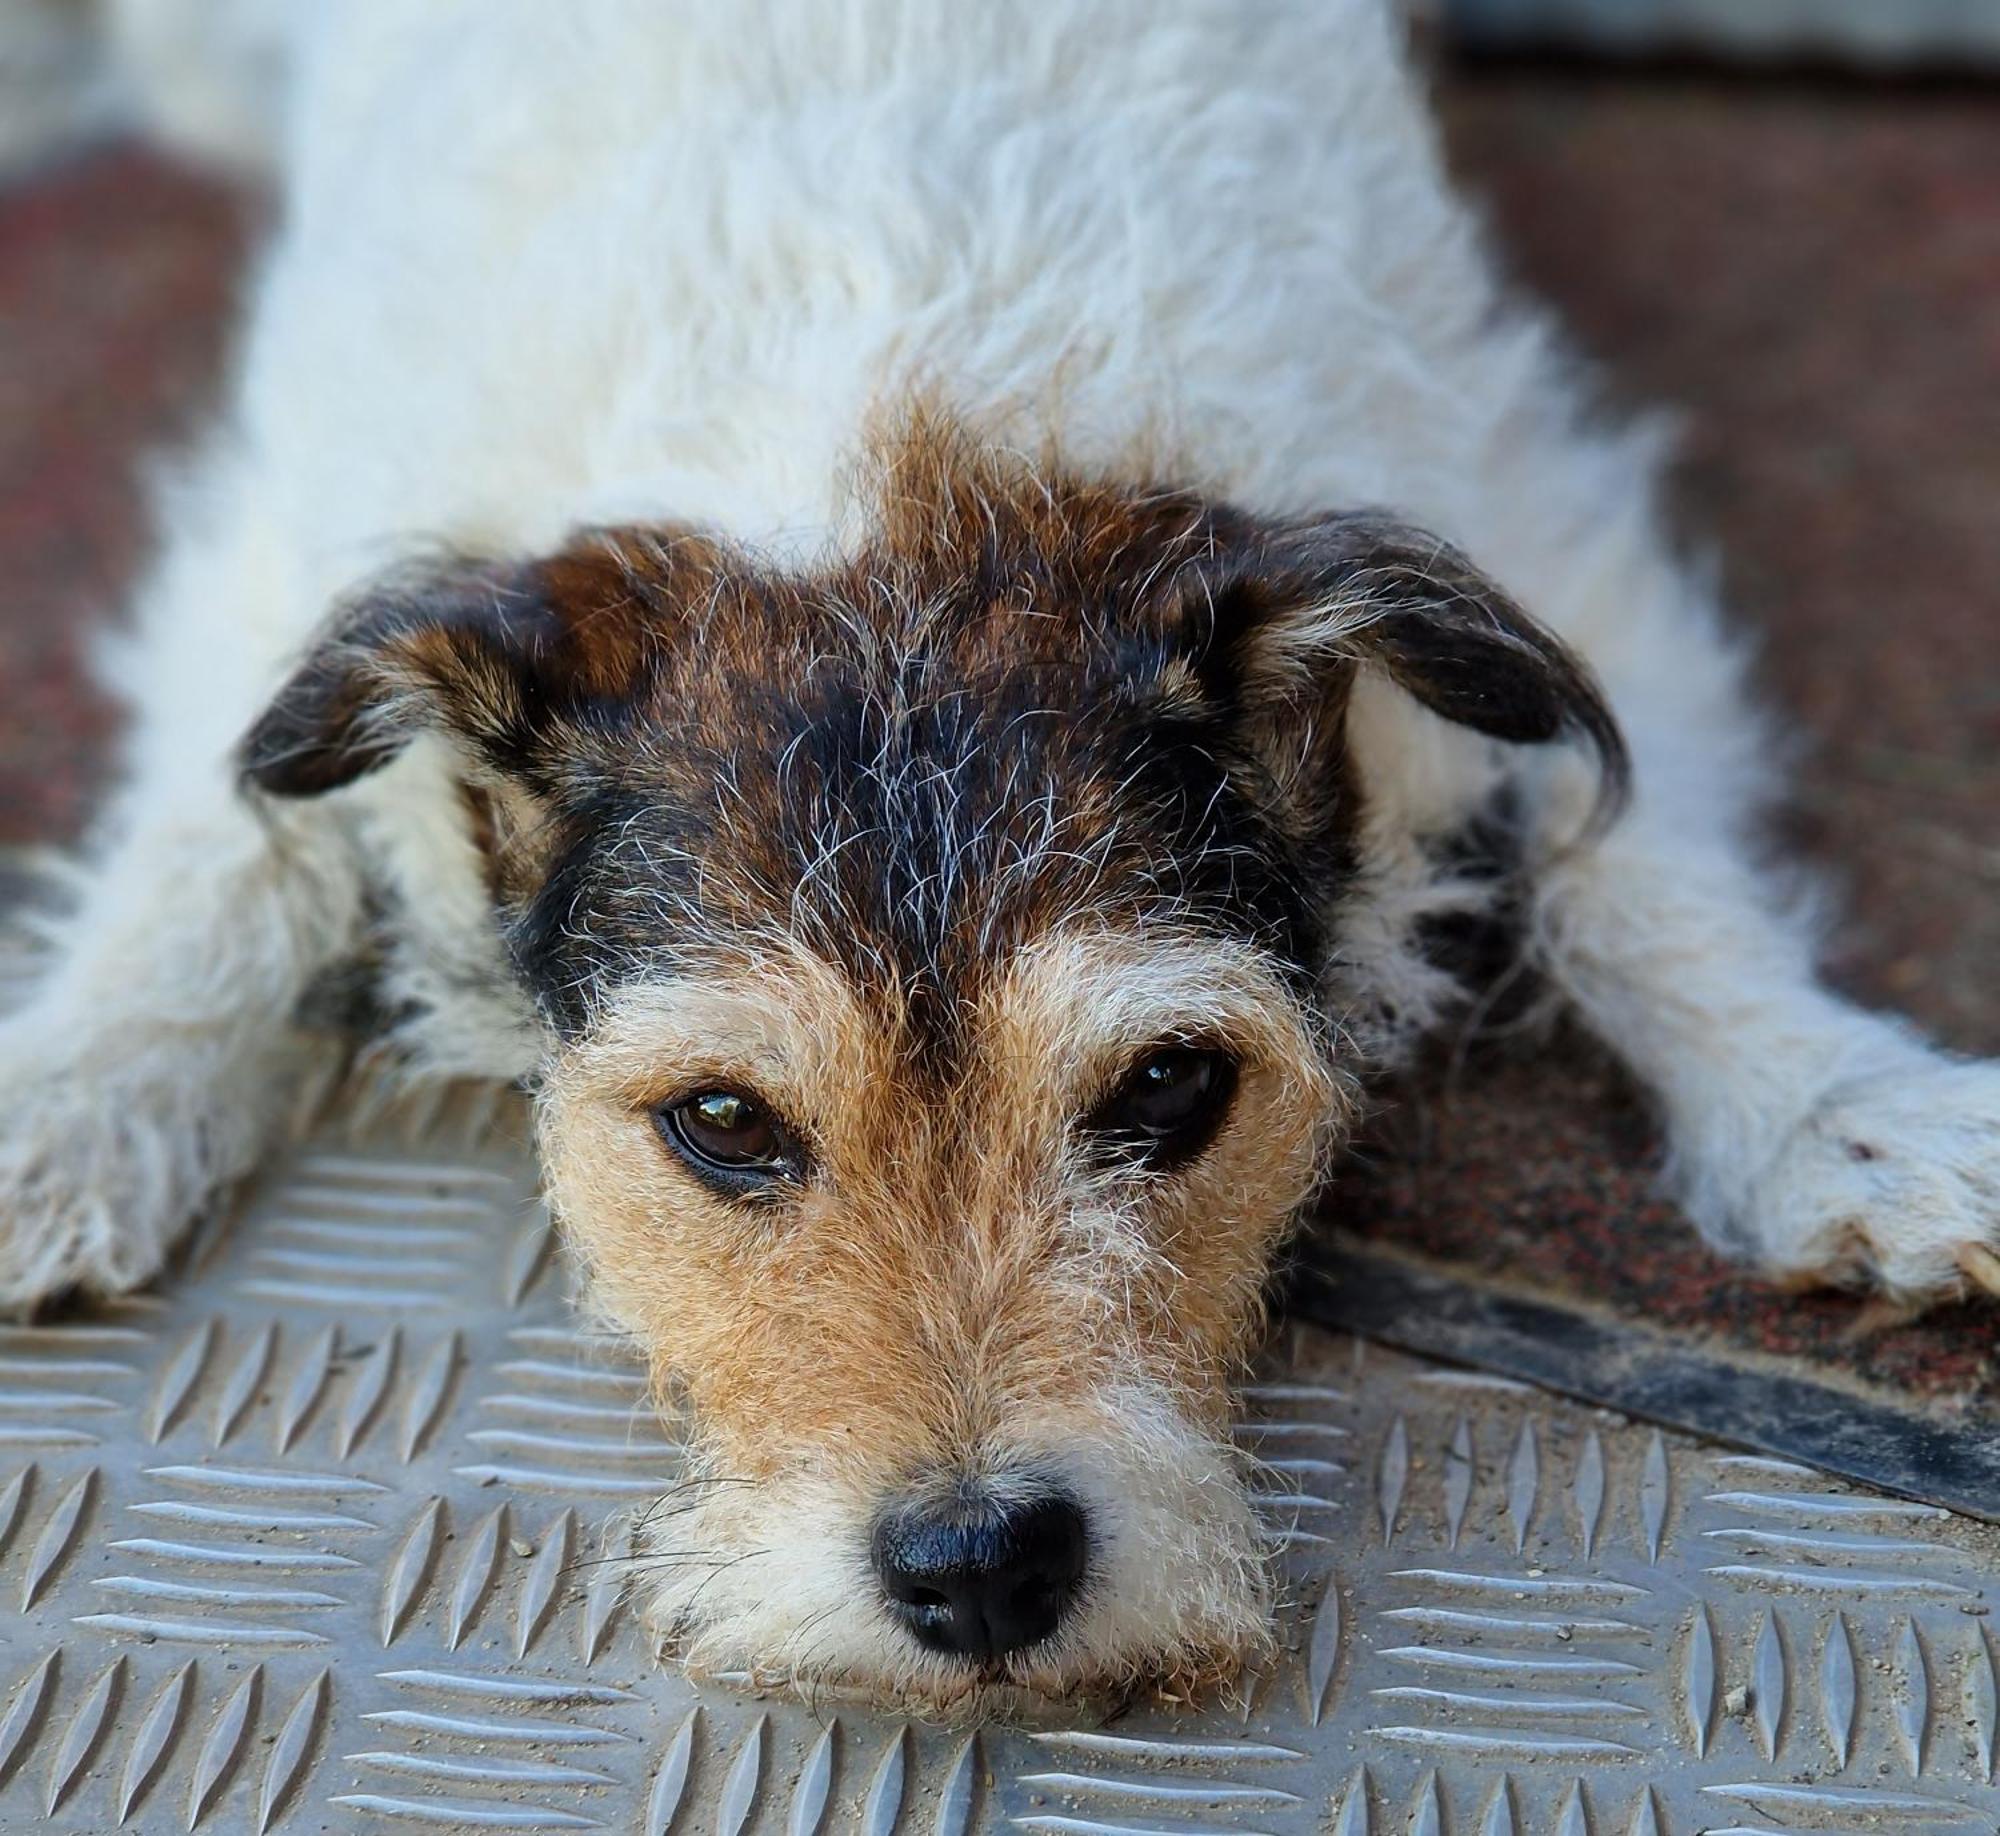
[(310, 1541)]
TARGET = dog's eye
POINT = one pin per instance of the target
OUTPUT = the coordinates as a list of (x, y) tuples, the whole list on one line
[(725, 1132), (1168, 1106)]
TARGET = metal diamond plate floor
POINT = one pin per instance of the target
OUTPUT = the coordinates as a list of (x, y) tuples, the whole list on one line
[(305, 1543)]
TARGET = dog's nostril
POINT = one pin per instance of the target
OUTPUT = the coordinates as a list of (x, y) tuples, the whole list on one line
[(980, 1577)]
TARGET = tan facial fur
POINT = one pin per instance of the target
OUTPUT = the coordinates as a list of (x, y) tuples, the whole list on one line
[(954, 1289)]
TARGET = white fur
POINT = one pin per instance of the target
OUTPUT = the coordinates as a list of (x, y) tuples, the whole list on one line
[(1176, 1573), (548, 265)]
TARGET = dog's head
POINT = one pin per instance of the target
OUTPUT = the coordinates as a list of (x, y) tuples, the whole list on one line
[(936, 952)]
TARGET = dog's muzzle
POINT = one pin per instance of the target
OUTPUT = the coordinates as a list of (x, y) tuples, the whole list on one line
[(978, 1576)]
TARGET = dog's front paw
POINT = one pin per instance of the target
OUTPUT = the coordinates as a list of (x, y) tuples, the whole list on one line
[(1892, 1179), (97, 1178)]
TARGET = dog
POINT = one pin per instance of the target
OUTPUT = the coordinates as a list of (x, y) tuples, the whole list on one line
[(905, 611)]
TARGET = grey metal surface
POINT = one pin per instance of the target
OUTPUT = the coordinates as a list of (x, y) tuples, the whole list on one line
[(306, 1543)]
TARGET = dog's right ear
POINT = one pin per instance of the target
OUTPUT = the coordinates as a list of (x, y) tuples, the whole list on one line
[(504, 659), (1297, 610)]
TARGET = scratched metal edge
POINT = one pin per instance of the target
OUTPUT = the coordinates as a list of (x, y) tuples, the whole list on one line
[(1865, 35), (1689, 1386)]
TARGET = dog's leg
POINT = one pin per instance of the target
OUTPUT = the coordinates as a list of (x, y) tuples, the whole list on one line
[(1822, 1141), (156, 1055), (153, 1052)]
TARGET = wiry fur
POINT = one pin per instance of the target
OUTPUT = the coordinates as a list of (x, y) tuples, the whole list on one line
[(962, 1292), (861, 714), (1178, 1597)]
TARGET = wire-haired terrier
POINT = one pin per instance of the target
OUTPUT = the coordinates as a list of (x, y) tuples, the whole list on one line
[(806, 581)]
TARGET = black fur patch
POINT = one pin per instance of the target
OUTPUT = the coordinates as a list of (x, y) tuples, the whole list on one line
[(1031, 701)]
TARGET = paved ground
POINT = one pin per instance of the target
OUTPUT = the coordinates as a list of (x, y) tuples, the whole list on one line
[(1812, 274)]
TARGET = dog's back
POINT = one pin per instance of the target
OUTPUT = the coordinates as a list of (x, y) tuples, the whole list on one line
[(550, 266)]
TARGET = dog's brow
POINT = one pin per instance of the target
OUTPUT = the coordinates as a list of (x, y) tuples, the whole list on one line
[(782, 1017), (1089, 994), (763, 1019)]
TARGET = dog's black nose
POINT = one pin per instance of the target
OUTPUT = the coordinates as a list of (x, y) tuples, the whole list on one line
[(978, 1577)]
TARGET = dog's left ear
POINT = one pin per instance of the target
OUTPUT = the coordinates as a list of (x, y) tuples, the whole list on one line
[(504, 658), (1293, 614)]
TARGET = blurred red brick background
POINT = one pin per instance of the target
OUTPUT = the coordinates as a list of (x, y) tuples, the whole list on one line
[(1808, 272), (117, 278)]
